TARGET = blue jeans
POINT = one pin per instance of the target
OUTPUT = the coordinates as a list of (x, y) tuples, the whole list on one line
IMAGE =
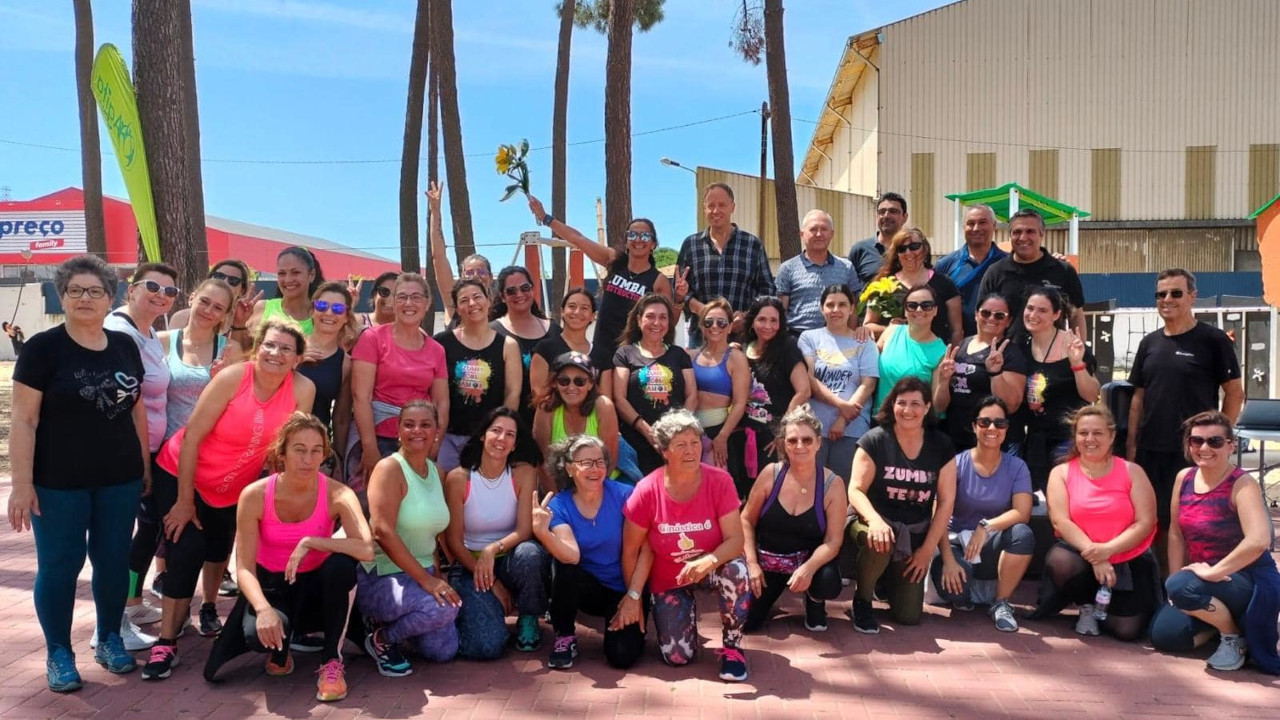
[(482, 624), (73, 524), (1173, 630)]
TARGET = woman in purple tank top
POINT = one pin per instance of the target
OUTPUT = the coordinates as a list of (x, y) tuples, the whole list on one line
[(1220, 539)]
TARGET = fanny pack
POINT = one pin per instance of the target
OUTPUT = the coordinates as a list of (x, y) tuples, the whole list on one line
[(784, 563)]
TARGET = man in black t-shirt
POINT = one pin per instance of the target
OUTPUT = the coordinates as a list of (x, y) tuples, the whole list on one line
[(1030, 266), (1177, 373)]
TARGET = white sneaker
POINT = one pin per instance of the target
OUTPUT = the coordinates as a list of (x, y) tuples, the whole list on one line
[(134, 639), (1087, 624), (143, 613)]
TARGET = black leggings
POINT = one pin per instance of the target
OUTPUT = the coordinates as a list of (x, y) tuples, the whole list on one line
[(149, 532), (319, 600), (825, 586), (575, 590), (186, 558), (1068, 579)]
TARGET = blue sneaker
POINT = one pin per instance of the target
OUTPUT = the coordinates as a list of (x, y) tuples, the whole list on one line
[(60, 669), (111, 655)]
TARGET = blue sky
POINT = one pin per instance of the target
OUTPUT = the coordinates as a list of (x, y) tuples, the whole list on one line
[(284, 81)]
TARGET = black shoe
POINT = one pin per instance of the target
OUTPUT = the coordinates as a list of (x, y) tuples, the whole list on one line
[(563, 653), (228, 587), (815, 615), (864, 617), (210, 625)]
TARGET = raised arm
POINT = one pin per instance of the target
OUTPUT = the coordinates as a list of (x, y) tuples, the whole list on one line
[(598, 254)]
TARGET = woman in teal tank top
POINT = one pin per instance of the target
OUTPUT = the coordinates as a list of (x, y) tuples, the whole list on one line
[(571, 404), (912, 349), (401, 592), (298, 274)]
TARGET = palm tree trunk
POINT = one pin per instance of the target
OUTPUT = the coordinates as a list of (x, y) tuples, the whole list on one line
[(617, 123), (559, 149), (451, 124), (90, 147), (409, 259), (164, 75), (784, 173)]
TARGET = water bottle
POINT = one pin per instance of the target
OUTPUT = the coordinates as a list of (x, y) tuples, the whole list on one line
[(1101, 601)]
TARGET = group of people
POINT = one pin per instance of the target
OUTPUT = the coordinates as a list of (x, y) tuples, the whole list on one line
[(511, 465)]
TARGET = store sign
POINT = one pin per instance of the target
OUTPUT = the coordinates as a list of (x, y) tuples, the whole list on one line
[(42, 233)]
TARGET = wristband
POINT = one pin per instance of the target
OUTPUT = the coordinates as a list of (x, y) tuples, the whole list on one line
[(633, 594), (997, 372), (547, 219), (1078, 368), (636, 422)]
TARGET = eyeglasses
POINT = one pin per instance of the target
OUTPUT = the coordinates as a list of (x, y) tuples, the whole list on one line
[(285, 350), (988, 314), (382, 292), (912, 246), (986, 422), (578, 381), (1216, 442), (1175, 294), (155, 288), (925, 305), (412, 297), (640, 235), (474, 274), (515, 290), (75, 292), (231, 280), (709, 323), (588, 464), (806, 441), (324, 306)]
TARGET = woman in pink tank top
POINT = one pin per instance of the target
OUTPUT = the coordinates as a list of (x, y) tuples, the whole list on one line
[(201, 470), (1104, 514), (295, 576)]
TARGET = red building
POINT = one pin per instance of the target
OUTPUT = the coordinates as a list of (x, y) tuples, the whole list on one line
[(50, 229)]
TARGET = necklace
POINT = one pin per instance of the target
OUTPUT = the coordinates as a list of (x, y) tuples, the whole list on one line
[(1048, 349), (491, 483), (594, 513)]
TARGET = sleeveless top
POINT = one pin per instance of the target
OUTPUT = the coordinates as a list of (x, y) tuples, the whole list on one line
[(277, 539), (275, 308), (618, 294), (423, 515), (155, 380), (526, 345), (779, 531), (186, 382), (489, 511), (477, 382), (714, 379), (1210, 526), (1102, 508), (904, 357), (327, 375), (232, 454), (558, 432)]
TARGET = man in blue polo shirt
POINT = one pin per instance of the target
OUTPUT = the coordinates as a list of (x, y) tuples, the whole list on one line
[(802, 279), (967, 265)]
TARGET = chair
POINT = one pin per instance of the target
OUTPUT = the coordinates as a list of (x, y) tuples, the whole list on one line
[(1260, 420)]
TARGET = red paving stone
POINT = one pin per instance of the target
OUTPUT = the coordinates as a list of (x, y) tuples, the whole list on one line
[(954, 667)]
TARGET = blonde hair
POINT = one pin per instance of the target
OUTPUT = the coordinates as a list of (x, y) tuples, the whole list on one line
[(1073, 421)]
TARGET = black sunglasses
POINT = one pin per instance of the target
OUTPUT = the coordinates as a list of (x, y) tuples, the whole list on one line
[(709, 323), (912, 246), (1175, 294), (1216, 442), (925, 305), (986, 422), (578, 381), (153, 287), (382, 292), (231, 280), (514, 290), (986, 314)]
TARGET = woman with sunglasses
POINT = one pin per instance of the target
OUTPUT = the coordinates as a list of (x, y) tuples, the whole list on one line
[(911, 350), (516, 315), (723, 378), (482, 369), (1221, 538), (391, 365), (981, 365), (909, 259), (577, 312), (472, 267), (298, 275), (326, 363), (1103, 511), (793, 526), (1060, 380), (988, 538), (779, 374), (632, 274), (571, 404), (236, 274), (384, 310), (651, 376), (843, 382)]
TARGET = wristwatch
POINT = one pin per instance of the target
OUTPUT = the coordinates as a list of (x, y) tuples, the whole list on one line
[(633, 594), (547, 219), (985, 524)]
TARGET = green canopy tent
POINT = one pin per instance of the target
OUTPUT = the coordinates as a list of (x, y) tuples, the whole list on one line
[(1008, 199)]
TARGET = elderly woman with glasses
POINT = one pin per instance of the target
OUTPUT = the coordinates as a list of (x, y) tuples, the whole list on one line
[(909, 260)]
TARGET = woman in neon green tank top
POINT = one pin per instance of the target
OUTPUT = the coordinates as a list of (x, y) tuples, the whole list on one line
[(298, 274), (571, 404)]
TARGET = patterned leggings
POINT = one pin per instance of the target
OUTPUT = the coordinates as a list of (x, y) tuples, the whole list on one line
[(409, 613), (675, 615)]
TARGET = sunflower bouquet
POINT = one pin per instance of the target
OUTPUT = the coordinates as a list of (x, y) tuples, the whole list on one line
[(884, 296), (510, 161)]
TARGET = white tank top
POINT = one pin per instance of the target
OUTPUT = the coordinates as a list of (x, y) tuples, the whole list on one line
[(489, 512)]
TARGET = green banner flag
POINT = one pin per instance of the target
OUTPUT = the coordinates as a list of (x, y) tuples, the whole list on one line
[(119, 108)]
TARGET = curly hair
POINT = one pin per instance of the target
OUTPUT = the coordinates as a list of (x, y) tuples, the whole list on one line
[(566, 451), (671, 424), (284, 325)]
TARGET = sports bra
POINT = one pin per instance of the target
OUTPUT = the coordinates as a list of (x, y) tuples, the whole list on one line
[(714, 379)]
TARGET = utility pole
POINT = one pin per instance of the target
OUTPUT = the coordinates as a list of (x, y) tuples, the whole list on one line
[(764, 166)]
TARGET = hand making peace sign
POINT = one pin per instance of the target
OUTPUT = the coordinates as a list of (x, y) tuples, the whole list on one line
[(948, 366), (682, 285), (1075, 347), (995, 359)]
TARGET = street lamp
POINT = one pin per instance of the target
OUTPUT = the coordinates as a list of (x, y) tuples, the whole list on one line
[(672, 163)]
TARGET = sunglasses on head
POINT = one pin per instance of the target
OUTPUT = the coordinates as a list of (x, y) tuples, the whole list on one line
[(912, 246), (988, 314), (709, 323), (925, 305), (986, 422), (382, 292), (231, 280), (1175, 294), (513, 290), (641, 235), (323, 306), (578, 381), (153, 287), (1216, 441)]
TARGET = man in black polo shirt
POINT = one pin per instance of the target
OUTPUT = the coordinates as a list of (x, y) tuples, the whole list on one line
[(1177, 373), (1031, 266), (868, 255)]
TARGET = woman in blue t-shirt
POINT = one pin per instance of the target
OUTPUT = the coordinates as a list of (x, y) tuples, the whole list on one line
[(581, 527), (989, 535)]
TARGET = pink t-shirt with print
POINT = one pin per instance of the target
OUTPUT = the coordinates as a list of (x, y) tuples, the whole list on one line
[(679, 532), (402, 375)]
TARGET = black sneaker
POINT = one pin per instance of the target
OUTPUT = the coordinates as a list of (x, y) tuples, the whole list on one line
[(815, 615), (228, 587), (161, 662), (391, 662), (210, 625), (157, 586), (563, 653), (733, 665), (864, 617), (307, 644)]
